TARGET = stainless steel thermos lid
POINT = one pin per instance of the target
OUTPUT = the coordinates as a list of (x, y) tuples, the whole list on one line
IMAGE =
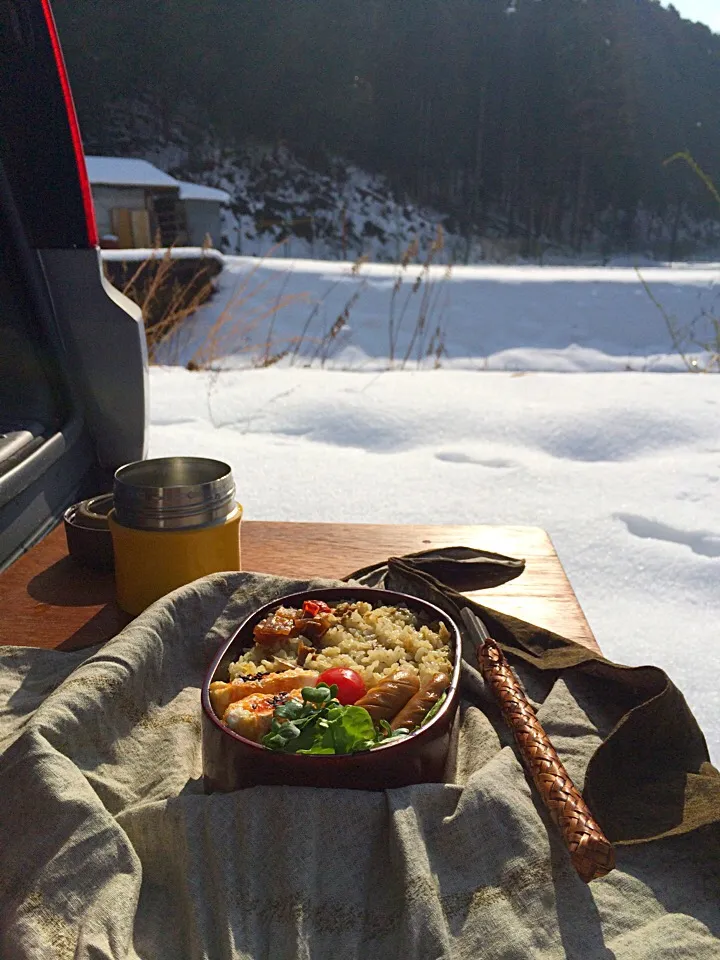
[(173, 493)]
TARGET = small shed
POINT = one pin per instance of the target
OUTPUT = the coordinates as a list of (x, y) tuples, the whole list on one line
[(202, 208), (134, 201)]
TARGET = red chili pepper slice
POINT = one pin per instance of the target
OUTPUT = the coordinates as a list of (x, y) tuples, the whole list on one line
[(313, 607)]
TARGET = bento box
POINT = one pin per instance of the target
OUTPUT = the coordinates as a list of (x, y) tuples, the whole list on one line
[(406, 750)]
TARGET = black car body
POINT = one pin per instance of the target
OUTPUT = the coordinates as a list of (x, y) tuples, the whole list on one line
[(73, 360)]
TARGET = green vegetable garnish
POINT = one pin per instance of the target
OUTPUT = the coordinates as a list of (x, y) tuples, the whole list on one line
[(386, 733), (432, 712), (320, 694), (322, 725)]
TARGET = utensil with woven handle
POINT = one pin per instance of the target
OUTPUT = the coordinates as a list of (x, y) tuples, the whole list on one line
[(591, 852)]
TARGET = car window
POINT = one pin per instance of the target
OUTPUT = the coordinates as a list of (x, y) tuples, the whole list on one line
[(35, 148)]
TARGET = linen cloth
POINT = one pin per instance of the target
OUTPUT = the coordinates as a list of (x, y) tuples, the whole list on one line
[(111, 849)]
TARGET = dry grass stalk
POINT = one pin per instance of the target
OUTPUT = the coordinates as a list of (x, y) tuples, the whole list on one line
[(234, 329), (266, 359), (685, 337), (394, 326), (423, 284), (273, 358), (302, 338), (231, 332), (436, 347), (165, 302), (342, 320), (240, 318), (425, 281)]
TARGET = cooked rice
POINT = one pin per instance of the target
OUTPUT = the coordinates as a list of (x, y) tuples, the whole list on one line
[(372, 641)]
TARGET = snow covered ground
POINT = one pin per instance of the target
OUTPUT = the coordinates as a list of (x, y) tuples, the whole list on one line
[(623, 469)]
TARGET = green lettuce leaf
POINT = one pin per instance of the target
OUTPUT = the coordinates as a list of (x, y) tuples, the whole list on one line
[(351, 727)]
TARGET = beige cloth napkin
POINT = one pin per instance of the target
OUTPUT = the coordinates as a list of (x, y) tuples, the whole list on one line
[(109, 848)]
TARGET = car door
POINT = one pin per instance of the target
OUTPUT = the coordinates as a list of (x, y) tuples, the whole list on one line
[(73, 360)]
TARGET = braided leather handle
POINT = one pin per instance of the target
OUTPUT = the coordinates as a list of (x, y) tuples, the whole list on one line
[(591, 852)]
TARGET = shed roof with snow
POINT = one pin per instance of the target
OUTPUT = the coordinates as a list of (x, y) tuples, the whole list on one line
[(126, 172), (196, 191)]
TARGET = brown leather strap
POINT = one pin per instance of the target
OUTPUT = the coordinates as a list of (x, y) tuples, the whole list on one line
[(591, 852)]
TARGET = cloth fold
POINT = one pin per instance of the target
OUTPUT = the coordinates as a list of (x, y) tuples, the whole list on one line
[(459, 568), (651, 776), (112, 850)]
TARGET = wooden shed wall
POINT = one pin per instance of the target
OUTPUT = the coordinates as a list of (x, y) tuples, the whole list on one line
[(108, 198)]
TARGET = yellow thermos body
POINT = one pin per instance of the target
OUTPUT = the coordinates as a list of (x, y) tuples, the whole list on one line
[(174, 520)]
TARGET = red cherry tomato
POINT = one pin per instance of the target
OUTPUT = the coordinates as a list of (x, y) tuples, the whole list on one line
[(349, 684)]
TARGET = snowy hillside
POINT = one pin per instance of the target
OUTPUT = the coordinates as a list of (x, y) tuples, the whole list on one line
[(326, 208), (341, 212), (331, 210)]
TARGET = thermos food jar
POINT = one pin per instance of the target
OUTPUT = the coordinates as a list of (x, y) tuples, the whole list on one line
[(175, 519)]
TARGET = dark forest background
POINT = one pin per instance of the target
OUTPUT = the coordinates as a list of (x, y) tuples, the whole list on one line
[(553, 117)]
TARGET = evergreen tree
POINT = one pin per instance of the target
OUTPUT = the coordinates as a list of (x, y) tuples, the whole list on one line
[(539, 118)]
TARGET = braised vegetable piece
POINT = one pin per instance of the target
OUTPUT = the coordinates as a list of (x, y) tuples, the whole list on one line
[(311, 627), (223, 694), (418, 707), (312, 622), (252, 717), (304, 650), (274, 629), (386, 700)]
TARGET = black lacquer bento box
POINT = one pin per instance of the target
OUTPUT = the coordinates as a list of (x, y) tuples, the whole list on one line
[(232, 762)]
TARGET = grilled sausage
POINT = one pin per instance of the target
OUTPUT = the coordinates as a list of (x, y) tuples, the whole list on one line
[(386, 699), (417, 708)]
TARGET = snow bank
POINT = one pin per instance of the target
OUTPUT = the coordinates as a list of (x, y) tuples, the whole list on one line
[(565, 319), (139, 254)]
